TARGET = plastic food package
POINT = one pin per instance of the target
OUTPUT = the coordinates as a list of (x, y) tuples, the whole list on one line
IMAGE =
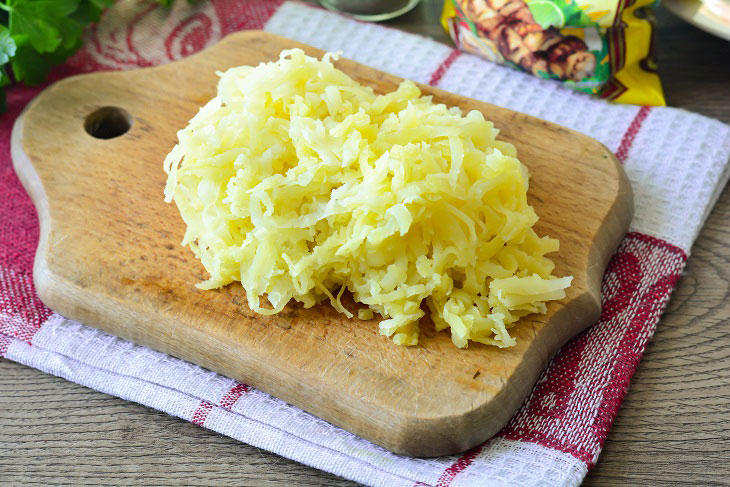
[(602, 47)]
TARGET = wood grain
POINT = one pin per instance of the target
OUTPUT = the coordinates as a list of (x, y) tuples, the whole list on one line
[(661, 436), (102, 197)]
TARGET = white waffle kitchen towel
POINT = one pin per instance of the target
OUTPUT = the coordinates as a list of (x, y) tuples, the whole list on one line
[(677, 162)]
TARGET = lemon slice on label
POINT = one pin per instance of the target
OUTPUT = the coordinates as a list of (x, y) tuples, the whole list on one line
[(547, 14)]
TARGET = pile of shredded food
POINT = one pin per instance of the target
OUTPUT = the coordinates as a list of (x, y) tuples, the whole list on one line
[(300, 183)]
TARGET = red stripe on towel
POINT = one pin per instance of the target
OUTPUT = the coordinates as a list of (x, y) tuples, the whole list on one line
[(458, 466), (443, 67), (628, 139), (201, 413), (230, 397)]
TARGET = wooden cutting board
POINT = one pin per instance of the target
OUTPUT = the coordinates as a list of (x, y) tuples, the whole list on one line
[(110, 257)]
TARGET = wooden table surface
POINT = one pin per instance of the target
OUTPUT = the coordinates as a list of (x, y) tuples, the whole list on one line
[(673, 427)]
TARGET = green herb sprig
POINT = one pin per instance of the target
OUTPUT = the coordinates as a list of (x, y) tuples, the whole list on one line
[(36, 35)]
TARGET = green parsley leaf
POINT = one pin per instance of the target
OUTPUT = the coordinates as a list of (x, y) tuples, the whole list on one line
[(36, 35), (40, 20), (29, 66), (4, 81), (7, 46), (71, 33), (4, 78), (90, 10), (102, 4)]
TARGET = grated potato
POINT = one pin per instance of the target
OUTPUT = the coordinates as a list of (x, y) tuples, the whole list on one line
[(299, 182)]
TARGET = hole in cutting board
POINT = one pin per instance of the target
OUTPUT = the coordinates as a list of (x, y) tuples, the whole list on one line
[(108, 122)]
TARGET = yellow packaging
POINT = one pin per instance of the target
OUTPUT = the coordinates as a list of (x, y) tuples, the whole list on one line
[(602, 47)]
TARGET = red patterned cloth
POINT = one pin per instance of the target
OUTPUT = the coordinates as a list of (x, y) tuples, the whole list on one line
[(677, 162)]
